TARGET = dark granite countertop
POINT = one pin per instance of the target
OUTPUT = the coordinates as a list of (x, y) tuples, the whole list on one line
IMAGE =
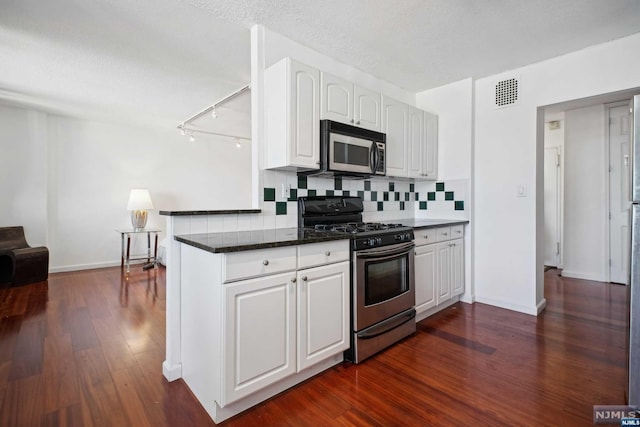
[(428, 223), (258, 239), (218, 212)]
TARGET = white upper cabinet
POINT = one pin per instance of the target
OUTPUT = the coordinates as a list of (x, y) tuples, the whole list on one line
[(415, 142), (412, 140), (430, 166), (336, 99), (292, 117), (344, 102), (367, 108), (297, 97), (394, 124)]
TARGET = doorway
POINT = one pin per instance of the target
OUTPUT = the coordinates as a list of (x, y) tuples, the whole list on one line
[(586, 229)]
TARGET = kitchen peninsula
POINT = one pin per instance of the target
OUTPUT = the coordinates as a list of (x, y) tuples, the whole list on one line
[(251, 313)]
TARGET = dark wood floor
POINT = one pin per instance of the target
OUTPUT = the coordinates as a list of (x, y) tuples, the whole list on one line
[(85, 348)]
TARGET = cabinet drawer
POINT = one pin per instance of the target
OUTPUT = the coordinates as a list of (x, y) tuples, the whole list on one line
[(443, 234), (425, 236), (322, 253), (245, 264), (457, 231)]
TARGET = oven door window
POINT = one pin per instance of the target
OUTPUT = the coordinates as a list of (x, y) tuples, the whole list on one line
[(385, 280)]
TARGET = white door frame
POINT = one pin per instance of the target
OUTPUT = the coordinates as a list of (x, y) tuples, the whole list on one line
[(607, 179), (559, 200)]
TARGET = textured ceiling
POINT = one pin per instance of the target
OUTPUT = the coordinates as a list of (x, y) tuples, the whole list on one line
[(160, 61)]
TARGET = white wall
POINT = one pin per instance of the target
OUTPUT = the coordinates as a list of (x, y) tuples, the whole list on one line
[(508, 152), (585, 194), (453, 104), (23, 172), (74, 178)]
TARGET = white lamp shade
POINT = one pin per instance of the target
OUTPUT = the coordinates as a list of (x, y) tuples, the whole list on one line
[(139, 199)]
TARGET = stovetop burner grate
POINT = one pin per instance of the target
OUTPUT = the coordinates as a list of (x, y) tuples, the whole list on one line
[(357, 227)]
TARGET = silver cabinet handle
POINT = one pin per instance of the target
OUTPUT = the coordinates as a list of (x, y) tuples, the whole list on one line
[(293, 280), (445, 234), (265, 262), (351, 121), (304, 278), (327, 253), (426, 236), (358, 122)]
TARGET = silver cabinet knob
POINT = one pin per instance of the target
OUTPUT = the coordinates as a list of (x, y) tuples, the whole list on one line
[(445, 234), (293, 280), (426, 236), (358, 122), (327, 253), (265, 262), (304, 278), (351, 121)]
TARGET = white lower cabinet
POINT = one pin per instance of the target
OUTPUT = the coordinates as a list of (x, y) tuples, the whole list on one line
[(425, 276), (439, 268), (259, 337), (323, 313), (247, 338)]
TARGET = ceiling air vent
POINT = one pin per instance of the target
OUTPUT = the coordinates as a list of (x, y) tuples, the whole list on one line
[(507, 92)]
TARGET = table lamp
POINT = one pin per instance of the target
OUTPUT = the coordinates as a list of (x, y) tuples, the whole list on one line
[(139, 203)]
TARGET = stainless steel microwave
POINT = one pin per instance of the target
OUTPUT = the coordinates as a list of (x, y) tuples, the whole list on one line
[(347, 150)]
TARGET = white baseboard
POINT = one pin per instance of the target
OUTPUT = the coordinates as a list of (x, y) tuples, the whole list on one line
[(583, 276), (171, 373), (533, 311), (78, 267)]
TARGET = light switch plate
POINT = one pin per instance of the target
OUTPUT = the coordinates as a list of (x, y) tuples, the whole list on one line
[(521, 191)]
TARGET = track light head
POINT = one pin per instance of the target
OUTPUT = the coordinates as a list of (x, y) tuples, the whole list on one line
[(214, 113), (191, 137)]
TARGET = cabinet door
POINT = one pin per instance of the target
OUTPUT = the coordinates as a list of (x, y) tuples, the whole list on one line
[(444, 271), (323, 313), (367, 111), (416, 142), (259, 334), (457, 267), (304, 118), (430, 167), (292, 116), (425, 276), (394, 124), (336, 99)]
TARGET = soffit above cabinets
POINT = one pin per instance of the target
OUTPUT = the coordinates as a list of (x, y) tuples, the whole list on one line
[(228, 117)]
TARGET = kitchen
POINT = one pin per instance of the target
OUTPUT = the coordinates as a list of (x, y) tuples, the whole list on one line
[(481, 137)]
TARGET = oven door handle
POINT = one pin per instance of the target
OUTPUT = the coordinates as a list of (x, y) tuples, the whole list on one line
[(384, 252)]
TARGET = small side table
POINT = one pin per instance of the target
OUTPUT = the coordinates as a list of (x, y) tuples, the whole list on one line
[(125, 251)]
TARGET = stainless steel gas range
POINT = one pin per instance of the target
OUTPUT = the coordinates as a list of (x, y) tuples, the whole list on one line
[(382, 273)]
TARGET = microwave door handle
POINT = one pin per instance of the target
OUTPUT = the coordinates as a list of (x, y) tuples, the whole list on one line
[(375, 156), (372, 157)]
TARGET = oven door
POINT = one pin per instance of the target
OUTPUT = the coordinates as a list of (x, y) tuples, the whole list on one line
[(383, 283)]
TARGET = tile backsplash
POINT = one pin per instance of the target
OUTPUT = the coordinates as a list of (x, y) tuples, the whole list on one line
[(383, 198)]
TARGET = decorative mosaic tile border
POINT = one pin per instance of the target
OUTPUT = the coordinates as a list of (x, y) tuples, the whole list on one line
[(385, 195)]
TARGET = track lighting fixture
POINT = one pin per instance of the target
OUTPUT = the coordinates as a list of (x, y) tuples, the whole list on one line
[(191, 137), (214, 113), (238, 142)]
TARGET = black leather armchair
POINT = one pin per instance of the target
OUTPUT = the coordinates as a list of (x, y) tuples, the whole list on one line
[(19, 263)]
